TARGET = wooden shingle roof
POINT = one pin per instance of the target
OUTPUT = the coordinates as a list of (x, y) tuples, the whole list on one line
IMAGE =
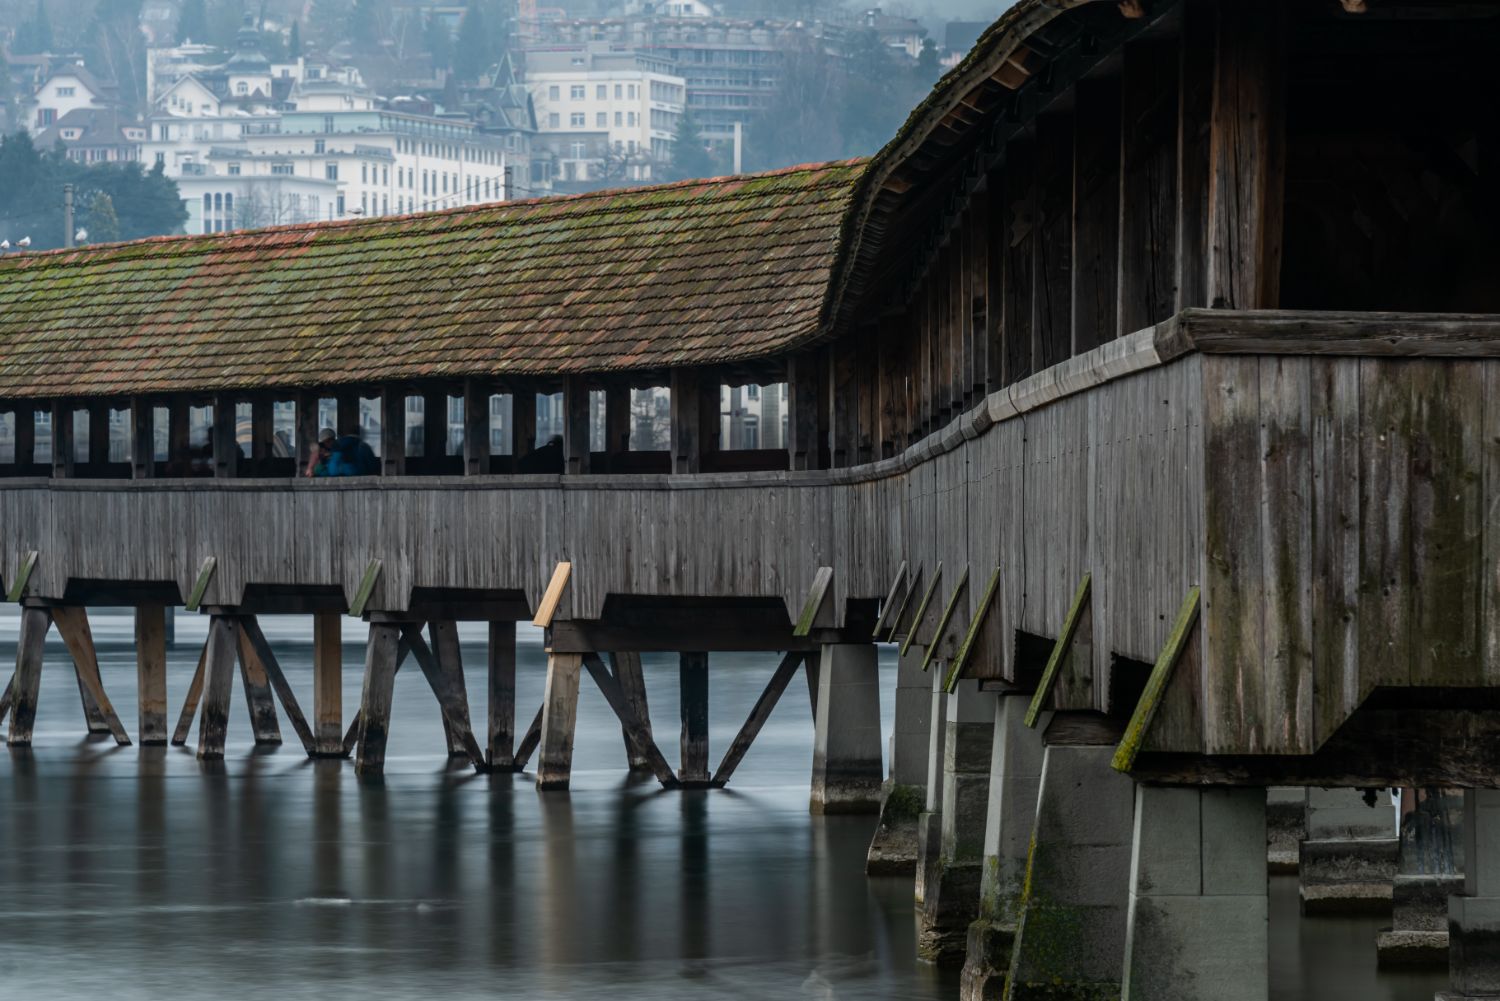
[(699, 272)]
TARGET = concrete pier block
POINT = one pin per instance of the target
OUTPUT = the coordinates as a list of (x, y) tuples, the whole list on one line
[(1349, 858), (1286, 827), (1474, 915), (1430, 864), (951, 898), (846, 750), (1015, 776), (893, 849), (929, 824), (1198, 918), (1070, 939)]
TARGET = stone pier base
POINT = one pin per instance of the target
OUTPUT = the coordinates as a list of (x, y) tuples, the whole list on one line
[(894, 848), (1015, 775), (950, 899), (1198, 909), (1418, 935), (1286, 827), (1350, 856), (1070, 939), (1474, 915), (846, 749)]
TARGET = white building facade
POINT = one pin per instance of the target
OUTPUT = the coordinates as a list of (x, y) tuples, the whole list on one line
[(595, 105)]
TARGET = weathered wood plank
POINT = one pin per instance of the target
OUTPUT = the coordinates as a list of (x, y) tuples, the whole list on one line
[(254, 648), (259, 701), (1247, 155), (1184, 635), (218, 672), (35, 622), (692, 676), (151, 673), (1335, 544), (1233, 586), (375, 701), (759, 713), (73, 626), (1148, 185), (190, 702), (637, 734), (443, 668), (632, 681), (559, 718), (501, 676), (1096, 207), (1052, 330)]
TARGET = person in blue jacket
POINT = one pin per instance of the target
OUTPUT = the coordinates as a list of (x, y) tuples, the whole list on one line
[(342, 455)]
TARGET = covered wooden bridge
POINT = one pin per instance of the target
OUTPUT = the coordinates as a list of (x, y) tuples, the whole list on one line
[(1140, 388)]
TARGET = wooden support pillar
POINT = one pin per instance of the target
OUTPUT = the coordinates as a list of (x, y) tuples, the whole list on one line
[(502, 696), (393, 430), (1247, 155), (225, 446), (445, 674), (1052, 330), (73, 626), (695, 418), (476, 427), (190, 702), (844, 393), (759, 713), (559, 717), (347, 404), (62, 439), (218, 673), (151, 673), (1096, 213), (632, 682), (1194, 110), (262, 430), (637, 737), (142, 439), (522, 422), (575, 425), (802, 411), (997, 252), (306, 430), (1019, 236), (616, 422), (25, 437), (692, 676), (328, 683), (259, 701), (257, 654), (98, 411), (375, 702), (434, 426), (35, 622), (976, 302), (1148, 185)]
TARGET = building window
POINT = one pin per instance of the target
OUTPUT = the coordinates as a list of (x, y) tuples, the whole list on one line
[(633, 92), (341, 204), (554, 93), (65, 92), (385, 176), (330, 171), (601, 120), (602, 91), (576, 120), (282, 169), (364, 173), (578, 150), (234, 170), (319, 146), (619, 118), (619, 90), (576, 92), (242, 88), (327, 123), (554, 121), (632, 119)]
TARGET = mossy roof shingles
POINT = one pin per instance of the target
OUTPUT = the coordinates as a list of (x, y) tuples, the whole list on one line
[(694, 273)]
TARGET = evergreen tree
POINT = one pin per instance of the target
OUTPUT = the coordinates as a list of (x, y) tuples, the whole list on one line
[(439, 42), (690, 155), (927, 62), (364, 25), (472, 53), (34, 35), (140, 203), (294, 42), (100, 220), (192, 22)]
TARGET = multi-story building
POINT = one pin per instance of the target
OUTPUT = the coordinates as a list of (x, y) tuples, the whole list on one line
[(96, 135), (731, 69), (67, 88), (605, 114)]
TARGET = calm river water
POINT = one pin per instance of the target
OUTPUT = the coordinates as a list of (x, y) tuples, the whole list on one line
[(141, 873)]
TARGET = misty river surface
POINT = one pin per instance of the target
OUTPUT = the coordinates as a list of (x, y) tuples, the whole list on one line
[(143, 873)]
